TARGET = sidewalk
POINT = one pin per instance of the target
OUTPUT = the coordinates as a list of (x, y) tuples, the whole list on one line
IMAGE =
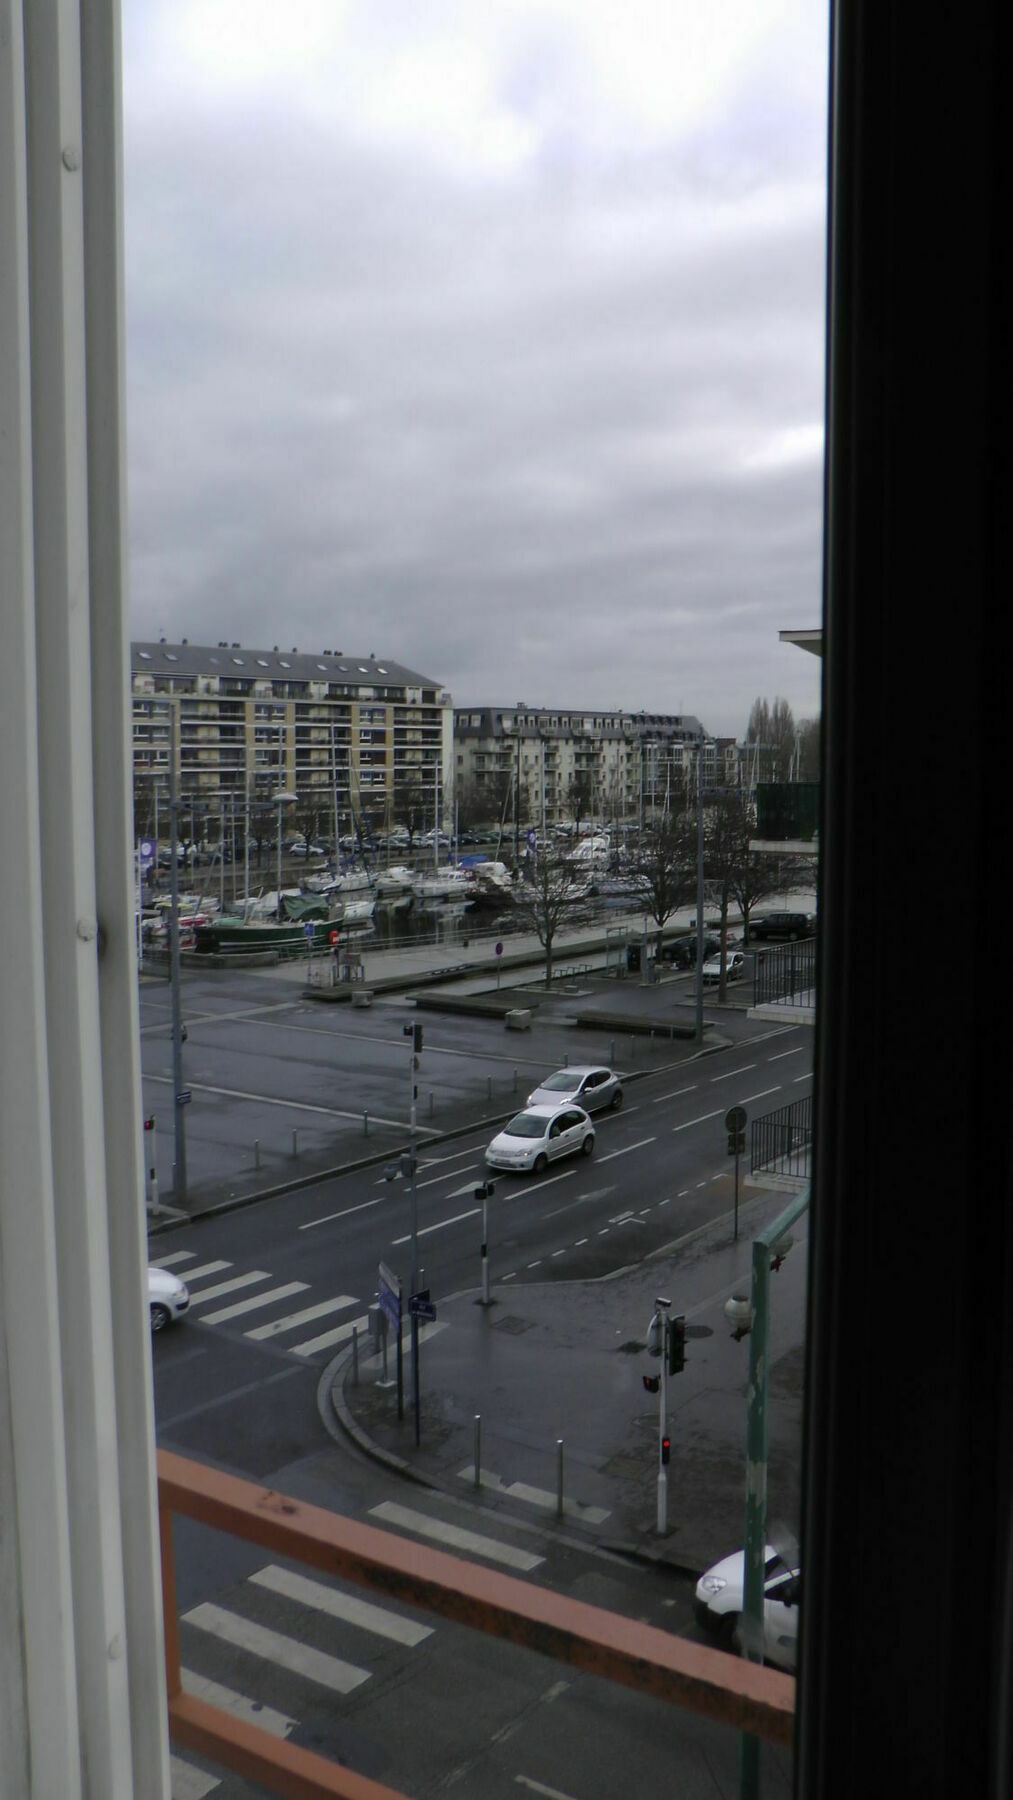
[(563, 1360)]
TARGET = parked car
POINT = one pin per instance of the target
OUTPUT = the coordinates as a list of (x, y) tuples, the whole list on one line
[(719, 1599), (168, 1297), (541, 1135), (681, 953), (786, 925), (735, 964), (587, 1084)]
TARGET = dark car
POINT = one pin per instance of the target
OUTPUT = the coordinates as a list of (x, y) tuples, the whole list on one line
[(787, 926)]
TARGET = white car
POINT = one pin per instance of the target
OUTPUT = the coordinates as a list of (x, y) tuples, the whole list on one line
[(719, 1600), (168, 1297), (735, 964), (587, 1084), (539, 1136)]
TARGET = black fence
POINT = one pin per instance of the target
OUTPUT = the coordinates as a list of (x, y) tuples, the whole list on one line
[(780, 1142), (785, 974)]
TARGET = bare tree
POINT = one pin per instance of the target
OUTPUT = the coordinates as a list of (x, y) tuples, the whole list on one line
[(771, 733), (411, 804), (549, 896), (735, 872), (665, 867), (578, 798)]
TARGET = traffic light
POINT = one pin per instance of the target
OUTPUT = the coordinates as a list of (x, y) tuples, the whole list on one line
[(676, 1344), (666, 1449), (149, 1123), (651, 1383)]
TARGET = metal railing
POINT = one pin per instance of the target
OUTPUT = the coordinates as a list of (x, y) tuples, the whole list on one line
[(784, 974), (745, 1695), (781, 1142)]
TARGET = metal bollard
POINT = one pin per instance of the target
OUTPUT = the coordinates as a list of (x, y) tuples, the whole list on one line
[(559, 1478), (355, 1356), (515, 1081), (566, 1060), (256, 1153), (295, 1143), (489, 1088), (432, 1102), (478, 1450), (365, 1124), (612, 1054)]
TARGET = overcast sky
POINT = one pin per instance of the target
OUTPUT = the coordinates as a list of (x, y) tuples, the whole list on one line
[(485, 336)]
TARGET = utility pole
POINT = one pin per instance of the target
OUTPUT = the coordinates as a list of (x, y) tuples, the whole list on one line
[(179, 1187), (699, 894), (415, 1033)]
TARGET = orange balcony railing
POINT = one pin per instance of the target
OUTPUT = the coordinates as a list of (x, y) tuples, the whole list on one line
[(744, 1695)]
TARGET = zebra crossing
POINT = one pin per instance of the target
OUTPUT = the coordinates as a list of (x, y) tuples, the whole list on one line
[(283, 1642), (221, 1294)]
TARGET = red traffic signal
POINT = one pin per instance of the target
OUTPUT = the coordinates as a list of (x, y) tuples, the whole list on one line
[(666, 1449), (149, 1123), (651, 1383)]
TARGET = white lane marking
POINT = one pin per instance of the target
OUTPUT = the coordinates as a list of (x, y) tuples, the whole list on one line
[(300, 1659), (188, 1783), (797, 1051), (531, 1187), (639, 1145), (440, 1226), (676, 1094), (806, 1077), (539, 1787), (327, 1218), (229, 1287), (309, 1106), (558, 1253), (468, 1188), (292, 1320), (579, 1242), (339, 1605), (727, 1076), (178, 1256), (255, 1301), (533, 1496), (211, 1268), (469, 1541), (434, 1162), (762, 1095), (243, 1012), (203, 1688), (326, 1338), (701, 1120), (435, 1182)]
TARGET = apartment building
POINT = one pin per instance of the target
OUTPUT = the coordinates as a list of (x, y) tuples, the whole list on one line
[(346, 734), (553, 763)]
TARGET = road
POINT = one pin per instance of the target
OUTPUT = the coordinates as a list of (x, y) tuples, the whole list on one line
[(277, 1289)]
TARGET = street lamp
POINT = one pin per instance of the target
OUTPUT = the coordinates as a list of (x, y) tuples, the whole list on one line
[(282, 798)]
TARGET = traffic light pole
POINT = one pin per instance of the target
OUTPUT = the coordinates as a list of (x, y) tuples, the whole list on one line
[(662, 1307)]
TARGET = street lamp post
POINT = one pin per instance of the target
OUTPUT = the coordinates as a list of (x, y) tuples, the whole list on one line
[(282, 798)]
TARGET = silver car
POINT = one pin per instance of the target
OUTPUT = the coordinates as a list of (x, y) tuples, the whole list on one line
[(168, 1297), (587, 1084), (539, 1136)]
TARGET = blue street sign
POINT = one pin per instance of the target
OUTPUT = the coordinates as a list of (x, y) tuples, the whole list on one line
[(308, 929), (421, 1307), (184, 1097), (499, 949)]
